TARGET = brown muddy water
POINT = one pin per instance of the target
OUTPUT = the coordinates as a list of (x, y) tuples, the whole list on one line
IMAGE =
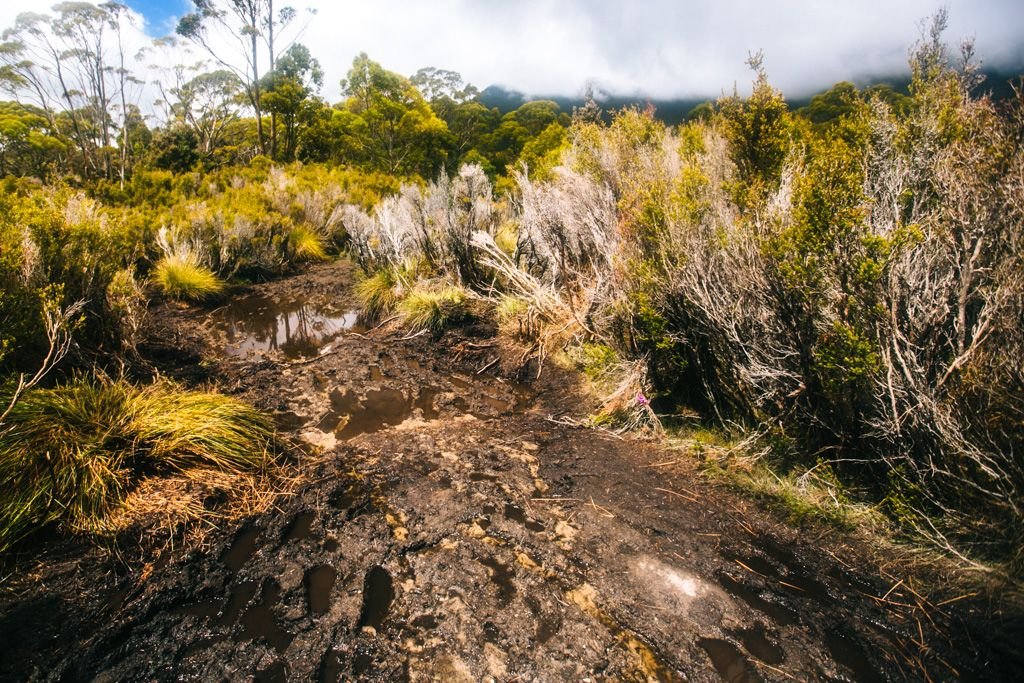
[(297, 328)]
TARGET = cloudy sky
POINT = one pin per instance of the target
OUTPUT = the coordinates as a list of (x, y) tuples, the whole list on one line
[(657, 48)]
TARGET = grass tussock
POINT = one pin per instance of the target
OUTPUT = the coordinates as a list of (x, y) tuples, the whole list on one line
[(69, 455), (306, 245), (186, 278), (814, 496), (434, 309), (379, 294)]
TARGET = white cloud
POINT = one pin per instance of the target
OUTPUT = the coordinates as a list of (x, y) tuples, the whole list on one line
[(658, 47), (661, 48)]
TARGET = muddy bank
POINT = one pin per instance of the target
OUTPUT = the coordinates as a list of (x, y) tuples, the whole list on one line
[(453, 526)]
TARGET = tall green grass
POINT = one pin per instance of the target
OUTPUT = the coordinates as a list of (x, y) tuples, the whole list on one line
[(306, 245), (68, 455), (434, 309), (379, 293), (186, 278)]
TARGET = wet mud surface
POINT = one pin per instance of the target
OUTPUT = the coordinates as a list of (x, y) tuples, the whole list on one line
[(454, 528)]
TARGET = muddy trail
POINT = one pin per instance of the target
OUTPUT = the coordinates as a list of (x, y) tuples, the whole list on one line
[(453, 525)]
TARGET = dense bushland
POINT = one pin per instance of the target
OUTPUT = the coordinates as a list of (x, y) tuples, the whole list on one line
[(842, 284), (849, 290)]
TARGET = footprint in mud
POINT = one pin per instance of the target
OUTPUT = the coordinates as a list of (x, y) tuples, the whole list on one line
[(258, 622), (330, 667), (243, 548), (729, 662), (378, 594), (518, 514), (319, 582), (299, 528), (756, 641), (846, 651), (779, 613), (502, 576), (238, 599)]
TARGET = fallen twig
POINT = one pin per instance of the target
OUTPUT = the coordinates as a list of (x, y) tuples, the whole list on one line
[(413, 336), (676, 493), (664, 464), (488, 366), (604, 511)]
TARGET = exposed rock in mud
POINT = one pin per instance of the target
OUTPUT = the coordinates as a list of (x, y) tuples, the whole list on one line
[(451, 530)]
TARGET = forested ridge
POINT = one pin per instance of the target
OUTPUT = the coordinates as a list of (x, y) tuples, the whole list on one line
[(835, 292)]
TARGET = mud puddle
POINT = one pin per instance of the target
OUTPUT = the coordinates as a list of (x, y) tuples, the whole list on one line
[(297, 328), (353, 412), (469, 537)]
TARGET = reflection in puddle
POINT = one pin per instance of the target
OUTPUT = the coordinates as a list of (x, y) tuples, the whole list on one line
[(296, 328), (375, 410)]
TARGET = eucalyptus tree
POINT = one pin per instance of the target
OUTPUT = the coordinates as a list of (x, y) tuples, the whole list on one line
[(208, 104), (388, 123), (74, 67), (290, 94), (251, 28)]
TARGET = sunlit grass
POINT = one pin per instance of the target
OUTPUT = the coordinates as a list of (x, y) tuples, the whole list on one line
[(378, 294), (433, 309), (306, 245), (69, 455), (185, 278)]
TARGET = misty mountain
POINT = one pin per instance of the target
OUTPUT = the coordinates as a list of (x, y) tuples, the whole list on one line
[(998, 83)]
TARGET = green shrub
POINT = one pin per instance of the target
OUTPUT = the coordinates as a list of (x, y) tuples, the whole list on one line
[(184, 278), (68, 455)]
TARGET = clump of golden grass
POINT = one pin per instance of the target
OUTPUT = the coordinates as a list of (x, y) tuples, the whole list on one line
[(433, 309), (306, 245), (69, 455), (379, 293), (183, 277)]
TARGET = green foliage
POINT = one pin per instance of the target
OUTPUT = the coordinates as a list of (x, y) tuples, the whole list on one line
[(510, 309), (185, 278), (542, 153), (505, 145), (387, 125), (596, 360), (55, 243), (433, 308), (758, 129), (68, 455), (28, 146)]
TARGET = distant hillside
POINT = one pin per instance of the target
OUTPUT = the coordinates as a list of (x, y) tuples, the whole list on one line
[(674, 111), (669, 111)]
